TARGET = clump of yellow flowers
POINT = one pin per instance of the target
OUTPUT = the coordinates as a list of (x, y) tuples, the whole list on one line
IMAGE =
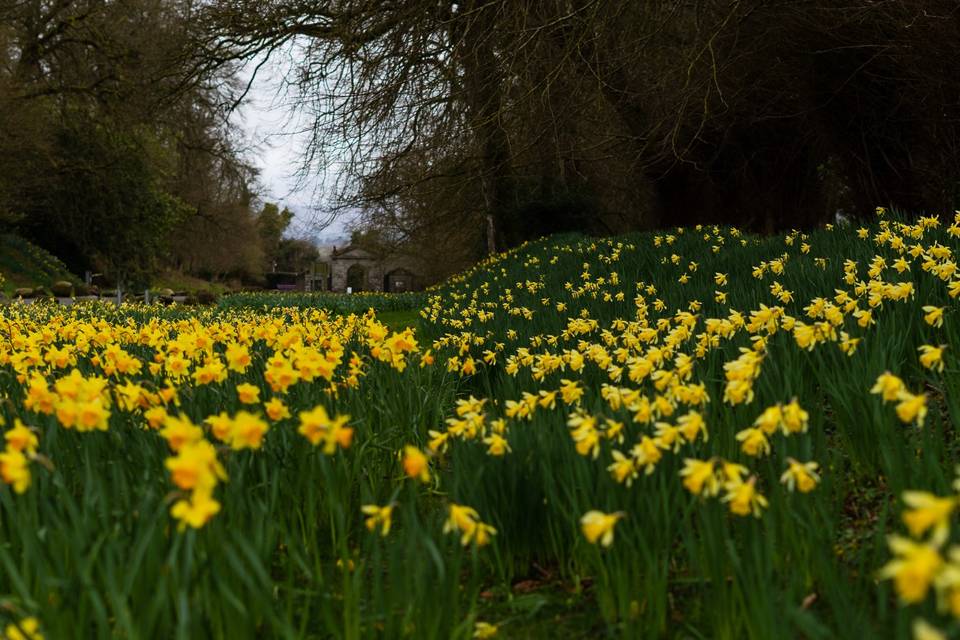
[(910, 408), (20, 445), (924, 561), (466, 521), (81, 372), (25, 629)]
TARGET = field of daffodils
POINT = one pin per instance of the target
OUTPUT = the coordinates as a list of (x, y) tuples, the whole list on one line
[(698, 433)]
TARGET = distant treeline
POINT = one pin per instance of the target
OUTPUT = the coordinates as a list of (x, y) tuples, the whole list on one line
[(473, 125)]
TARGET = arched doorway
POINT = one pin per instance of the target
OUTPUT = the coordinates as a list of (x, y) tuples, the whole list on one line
[(398, 281), (356, 278)]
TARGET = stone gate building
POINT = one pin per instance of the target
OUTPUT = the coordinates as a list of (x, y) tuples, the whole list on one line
[(359, 269)]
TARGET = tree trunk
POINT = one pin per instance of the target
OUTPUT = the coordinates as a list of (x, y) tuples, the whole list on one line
[(483, 94)]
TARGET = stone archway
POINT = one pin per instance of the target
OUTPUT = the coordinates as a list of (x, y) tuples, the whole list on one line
[(356, 278)]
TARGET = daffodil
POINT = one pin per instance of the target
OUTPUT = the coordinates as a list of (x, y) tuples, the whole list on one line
[(497, 445), (415, 464), (15, 469), (196, 466), (912, 407), (623, 469), (932, 357), (238, 357), (598, 526), (743, 498), (248, 430), (570, 391), (933, 316), (926, 511), (753, 442), (923, 630), (378, 517), (691, 425), (438, 441), (769, 421), (801, 476), (248, 393), (195, 511), (155, 416), (20, 438), (179, 431), (466, 521), (276, 409), (888, 386), (317, 426), (795, 419), (482, 630), (646, 454), (913, 569), (699, 477)]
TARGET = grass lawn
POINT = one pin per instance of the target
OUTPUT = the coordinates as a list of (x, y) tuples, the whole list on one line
[(400, 320)]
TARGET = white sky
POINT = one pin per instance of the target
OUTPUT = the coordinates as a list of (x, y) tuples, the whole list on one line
[(277, 147)]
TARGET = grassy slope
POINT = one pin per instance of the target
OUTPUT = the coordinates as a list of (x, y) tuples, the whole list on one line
[(23, 264), (184, 282), (867, 456)]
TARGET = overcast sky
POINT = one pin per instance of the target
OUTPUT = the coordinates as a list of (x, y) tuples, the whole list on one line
[(277, 152)]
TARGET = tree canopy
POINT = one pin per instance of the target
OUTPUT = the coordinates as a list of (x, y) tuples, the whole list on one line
[(507, 120), (116, 150)]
